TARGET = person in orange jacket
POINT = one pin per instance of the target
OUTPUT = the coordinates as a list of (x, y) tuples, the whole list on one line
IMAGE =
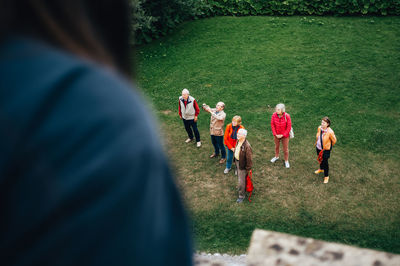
[(325, 140), (230, 139)]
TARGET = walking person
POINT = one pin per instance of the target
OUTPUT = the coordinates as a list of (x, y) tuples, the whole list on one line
[(188, 112), (244, 161), (230, 139), (281, 125), (325, 140), (217, 129)]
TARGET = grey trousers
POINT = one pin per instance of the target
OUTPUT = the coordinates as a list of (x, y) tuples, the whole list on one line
[(241, 181)]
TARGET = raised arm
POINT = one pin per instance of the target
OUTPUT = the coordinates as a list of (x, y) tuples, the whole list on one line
[(220, 116)]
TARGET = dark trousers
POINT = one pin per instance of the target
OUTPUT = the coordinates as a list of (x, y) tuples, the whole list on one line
[(324, 165), (189, 125), (218, 143)]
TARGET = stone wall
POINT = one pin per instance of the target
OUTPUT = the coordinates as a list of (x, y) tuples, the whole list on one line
[(272, 248)]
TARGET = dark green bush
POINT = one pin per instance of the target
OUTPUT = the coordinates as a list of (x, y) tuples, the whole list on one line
[(155, 18), (302, 7)]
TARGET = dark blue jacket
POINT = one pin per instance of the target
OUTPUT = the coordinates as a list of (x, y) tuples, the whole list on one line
[(83, 179)]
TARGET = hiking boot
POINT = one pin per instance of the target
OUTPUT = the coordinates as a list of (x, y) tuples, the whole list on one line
[(213, 155), (274, 159), (318, 171), (326, 179), (198, 144), (223, 160), (226, 170), (188, 140), (239, 200), (287, 165)]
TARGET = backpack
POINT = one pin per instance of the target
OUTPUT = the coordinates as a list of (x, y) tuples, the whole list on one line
[(291, 133), (249, 184)]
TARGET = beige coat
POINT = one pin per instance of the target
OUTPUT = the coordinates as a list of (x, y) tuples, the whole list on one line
[(217, 122)]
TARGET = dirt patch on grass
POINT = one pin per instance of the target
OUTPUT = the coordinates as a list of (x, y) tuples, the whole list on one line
[(166, 112)]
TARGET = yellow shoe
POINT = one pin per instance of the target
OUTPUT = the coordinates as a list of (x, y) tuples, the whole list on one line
[(326, 179), (318, 171)]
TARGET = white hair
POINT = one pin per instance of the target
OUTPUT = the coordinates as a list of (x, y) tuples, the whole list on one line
[(222, 104), (242, 132), (185, 91), (280, 106)]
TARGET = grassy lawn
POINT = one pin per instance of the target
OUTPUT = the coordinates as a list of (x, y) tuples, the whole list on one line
[(347, 68)]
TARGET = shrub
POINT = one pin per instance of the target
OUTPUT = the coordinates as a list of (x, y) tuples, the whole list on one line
[(302, 7), (155, 18)]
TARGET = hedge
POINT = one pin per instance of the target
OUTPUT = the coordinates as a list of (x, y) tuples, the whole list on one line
[(155, 18), (302, 7)]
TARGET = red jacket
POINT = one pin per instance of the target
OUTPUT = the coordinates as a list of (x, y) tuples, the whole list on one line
[(281, 125), (230, 142)]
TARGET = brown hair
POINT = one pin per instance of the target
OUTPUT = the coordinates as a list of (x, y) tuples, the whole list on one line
[(98, 30), (238, 119), (327, 120)]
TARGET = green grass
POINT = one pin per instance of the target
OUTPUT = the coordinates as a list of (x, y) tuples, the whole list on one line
[(347, 68)]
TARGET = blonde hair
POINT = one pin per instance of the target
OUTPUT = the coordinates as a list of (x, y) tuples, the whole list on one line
[(238, 119)]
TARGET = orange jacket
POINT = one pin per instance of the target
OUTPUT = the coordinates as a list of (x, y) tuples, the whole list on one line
[(327, 139), (230, 142)]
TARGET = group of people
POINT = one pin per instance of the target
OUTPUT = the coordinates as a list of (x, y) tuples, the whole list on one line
[(238, 149)]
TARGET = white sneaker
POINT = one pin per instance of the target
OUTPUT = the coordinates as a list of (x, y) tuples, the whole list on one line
[(274, 159), (188, 140), (226, 170), (287, 165), (198, 144)]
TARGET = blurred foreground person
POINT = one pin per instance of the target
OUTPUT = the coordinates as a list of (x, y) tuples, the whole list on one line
[(82, 178)]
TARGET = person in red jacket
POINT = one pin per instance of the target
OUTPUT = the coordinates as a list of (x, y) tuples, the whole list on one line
[(281, 124), (230, 139)]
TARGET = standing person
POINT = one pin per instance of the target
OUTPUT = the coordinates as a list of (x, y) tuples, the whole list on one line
[(281, 124), (83, 178), (217, 129), (244, 161), (188, 112), (230, 139), (325, 140)]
